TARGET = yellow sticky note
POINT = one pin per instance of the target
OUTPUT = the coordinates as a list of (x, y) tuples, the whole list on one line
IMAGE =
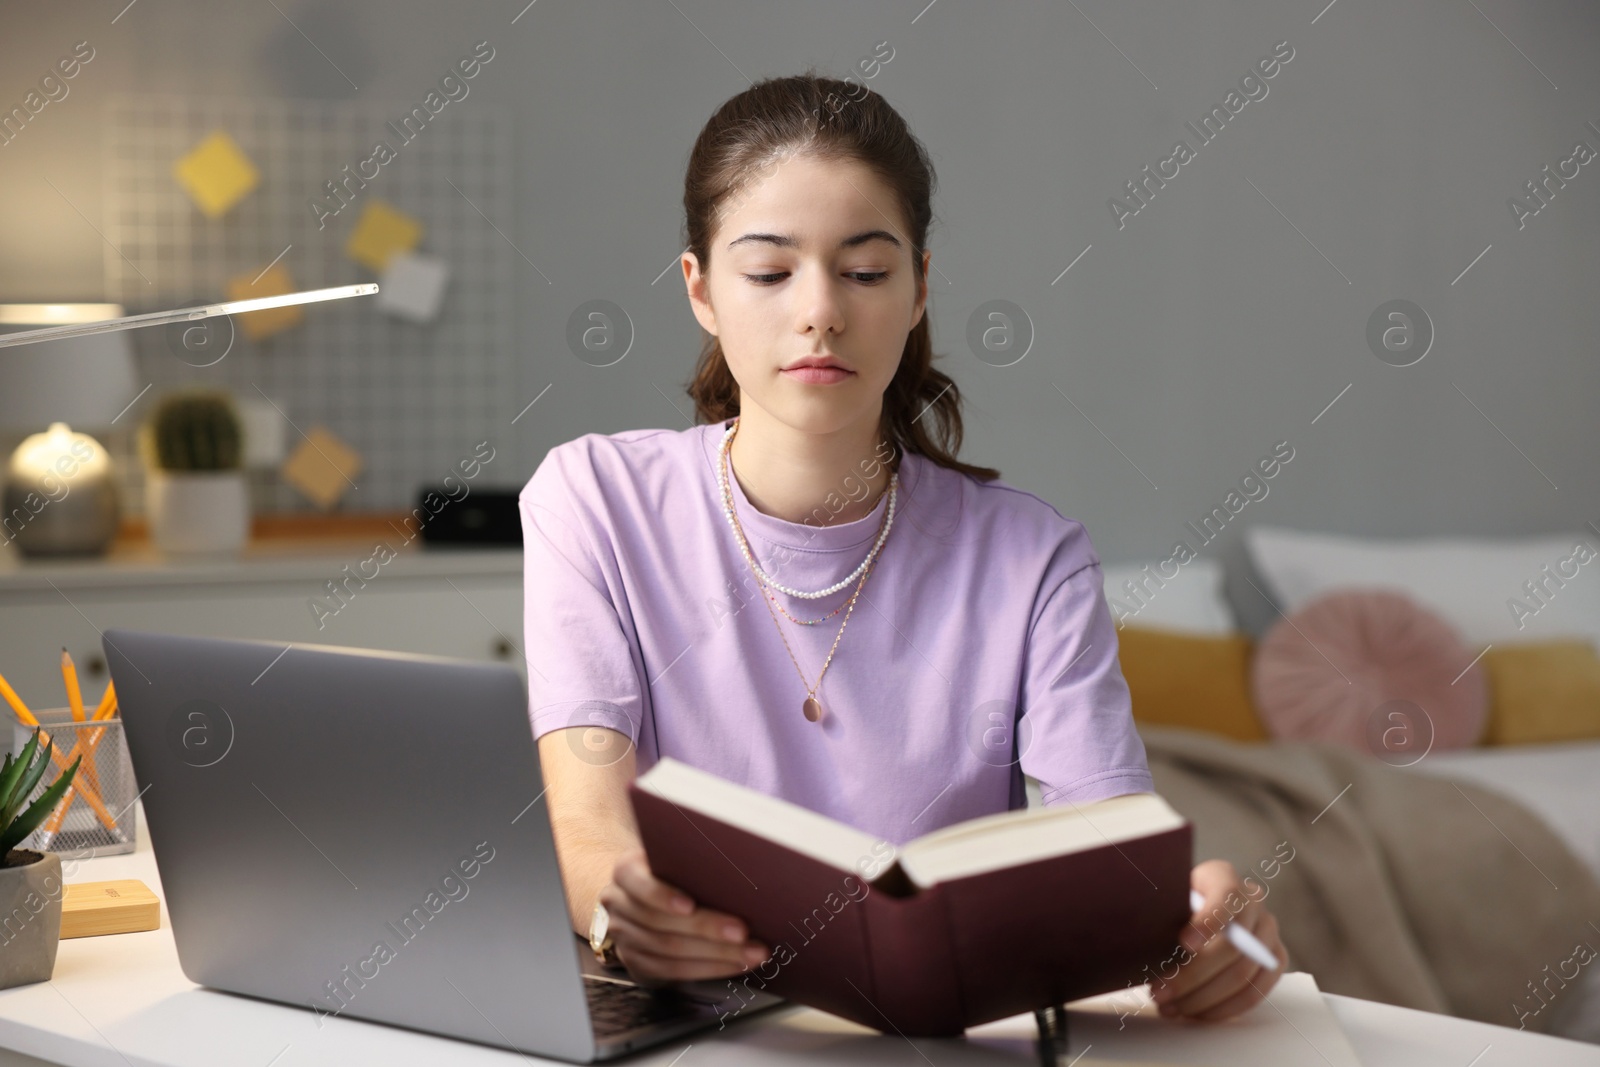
[(322, 467), (380, 232), (274, 281), (216, 174)]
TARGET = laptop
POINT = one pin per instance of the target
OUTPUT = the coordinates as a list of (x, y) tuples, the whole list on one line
[(363, 834)]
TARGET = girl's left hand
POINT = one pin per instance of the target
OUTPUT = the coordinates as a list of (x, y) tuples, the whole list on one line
[(1215, 980)]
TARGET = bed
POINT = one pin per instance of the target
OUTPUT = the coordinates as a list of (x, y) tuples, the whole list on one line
[(1193, 668), (1560, 783)]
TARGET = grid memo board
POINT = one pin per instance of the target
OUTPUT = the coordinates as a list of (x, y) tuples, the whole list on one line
[(412, 398)]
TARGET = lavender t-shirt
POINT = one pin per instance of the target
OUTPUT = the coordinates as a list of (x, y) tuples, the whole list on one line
[(980, 649)]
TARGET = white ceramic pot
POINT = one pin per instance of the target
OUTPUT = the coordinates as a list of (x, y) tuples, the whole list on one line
[(198, 512)]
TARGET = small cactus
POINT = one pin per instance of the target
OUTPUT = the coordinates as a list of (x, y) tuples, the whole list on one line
[(194, 430), (18, 777)]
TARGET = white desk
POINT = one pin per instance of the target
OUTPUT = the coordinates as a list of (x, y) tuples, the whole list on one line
[(122, 999)]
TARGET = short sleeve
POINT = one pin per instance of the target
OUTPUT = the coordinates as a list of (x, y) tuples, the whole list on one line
[(583, 668), (1076, 732)]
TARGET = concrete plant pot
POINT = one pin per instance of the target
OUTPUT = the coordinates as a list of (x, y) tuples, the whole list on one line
[(30, 917)]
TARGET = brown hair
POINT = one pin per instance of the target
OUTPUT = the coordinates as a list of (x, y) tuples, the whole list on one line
[(828, 119)]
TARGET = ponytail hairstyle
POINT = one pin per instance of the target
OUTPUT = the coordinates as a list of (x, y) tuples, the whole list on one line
[(826, 119)]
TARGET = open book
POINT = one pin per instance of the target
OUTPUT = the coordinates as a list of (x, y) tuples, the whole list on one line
[(969, 923)]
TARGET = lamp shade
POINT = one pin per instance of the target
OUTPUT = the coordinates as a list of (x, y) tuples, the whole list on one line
[(83, 381)]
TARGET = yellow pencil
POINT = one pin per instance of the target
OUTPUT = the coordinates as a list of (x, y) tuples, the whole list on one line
[(16, 703), (69, 674), (106, 700)]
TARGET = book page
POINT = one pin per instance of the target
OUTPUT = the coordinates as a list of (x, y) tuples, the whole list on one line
[(1011, 838), (806, 832)]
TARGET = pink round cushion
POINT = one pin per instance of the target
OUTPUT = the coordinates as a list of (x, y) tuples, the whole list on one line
[(1372, 669)]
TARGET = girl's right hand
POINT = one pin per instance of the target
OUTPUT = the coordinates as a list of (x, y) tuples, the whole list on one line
[(659, 933)]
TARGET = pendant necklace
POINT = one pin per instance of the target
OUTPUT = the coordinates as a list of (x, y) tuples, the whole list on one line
[(811, 707)]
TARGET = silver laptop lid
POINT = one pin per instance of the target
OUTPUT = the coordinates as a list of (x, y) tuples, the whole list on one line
[(359, 833)]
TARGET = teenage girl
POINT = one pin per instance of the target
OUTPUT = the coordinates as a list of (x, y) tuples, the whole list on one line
[(806, 591)]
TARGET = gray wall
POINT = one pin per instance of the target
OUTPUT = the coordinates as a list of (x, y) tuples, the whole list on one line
[(1222, 318)]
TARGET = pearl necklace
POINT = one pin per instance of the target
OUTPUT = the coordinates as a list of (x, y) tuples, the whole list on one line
[(728, 511), (811, 707)]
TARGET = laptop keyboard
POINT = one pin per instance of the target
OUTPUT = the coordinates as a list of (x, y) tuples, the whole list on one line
[(616, 1007)]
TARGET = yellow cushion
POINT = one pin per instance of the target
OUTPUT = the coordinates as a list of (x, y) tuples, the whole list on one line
[(1548, 691), (1195, 680)]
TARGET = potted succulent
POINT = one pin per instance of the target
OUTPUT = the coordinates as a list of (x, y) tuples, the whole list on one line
[(196, 497), (30, 882)]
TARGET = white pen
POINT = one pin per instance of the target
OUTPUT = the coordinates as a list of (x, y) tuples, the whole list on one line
[(1242, 939)]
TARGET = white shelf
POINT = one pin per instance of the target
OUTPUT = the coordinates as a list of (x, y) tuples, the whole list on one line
[(264, 561)]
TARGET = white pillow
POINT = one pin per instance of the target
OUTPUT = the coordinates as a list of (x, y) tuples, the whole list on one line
[(1190, 600), (1479, 585)]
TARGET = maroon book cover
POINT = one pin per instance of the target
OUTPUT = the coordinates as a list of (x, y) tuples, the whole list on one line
[(930, 962)]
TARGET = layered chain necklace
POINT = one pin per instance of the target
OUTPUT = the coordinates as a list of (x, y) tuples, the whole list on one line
[(812, 707)]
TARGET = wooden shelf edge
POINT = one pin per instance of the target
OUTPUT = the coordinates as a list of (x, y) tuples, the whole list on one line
[(352, 525)]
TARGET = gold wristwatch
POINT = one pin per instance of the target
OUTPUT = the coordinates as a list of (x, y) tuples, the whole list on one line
[(600, 938)]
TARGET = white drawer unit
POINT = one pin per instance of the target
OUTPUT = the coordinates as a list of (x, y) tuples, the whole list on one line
[(465, 603)]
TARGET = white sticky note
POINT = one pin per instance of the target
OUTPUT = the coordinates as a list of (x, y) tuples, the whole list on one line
[(413, 285), (264, 425)]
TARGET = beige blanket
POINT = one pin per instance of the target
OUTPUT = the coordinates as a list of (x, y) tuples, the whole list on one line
[(1407, 889)]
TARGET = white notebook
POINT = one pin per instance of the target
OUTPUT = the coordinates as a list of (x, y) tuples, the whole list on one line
[(1293, 1025)]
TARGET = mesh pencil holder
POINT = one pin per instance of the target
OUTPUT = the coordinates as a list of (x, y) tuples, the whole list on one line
[(96, 815)]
